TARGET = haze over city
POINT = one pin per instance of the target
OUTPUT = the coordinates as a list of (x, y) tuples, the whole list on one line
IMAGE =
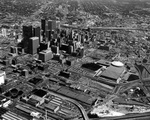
[(74, 59)]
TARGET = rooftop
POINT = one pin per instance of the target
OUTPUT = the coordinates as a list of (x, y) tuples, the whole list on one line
[(112, 72)]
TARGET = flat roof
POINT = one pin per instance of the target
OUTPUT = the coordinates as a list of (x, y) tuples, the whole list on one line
[(103, 62), (80, 97), (112, 72)]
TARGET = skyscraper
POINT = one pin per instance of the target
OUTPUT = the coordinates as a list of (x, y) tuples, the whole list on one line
[(27, 34), (48, 35), (33, 45), (27, 31), (43, 24), (37, 32), (43, 28), (51, 25)]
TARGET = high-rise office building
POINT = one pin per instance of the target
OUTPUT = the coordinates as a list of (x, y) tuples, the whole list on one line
[(37, 32), (33, 45), (27, 34), (48, 35), (43, 24), (51, 25), (27, 31), (43, 28)]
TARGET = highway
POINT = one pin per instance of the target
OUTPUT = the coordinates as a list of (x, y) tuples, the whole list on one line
[(100, 28), (141, 78), (114, 28)]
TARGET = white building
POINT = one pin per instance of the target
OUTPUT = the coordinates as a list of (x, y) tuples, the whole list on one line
[(2, 77)]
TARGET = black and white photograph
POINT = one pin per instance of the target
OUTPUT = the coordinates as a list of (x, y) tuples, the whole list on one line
[(74, 59)]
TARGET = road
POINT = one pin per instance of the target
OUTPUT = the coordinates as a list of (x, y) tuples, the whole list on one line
[(100, 28), (141, 78)]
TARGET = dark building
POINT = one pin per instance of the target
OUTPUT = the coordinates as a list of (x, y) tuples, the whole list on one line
[(43, 35), (81, 52), (14, 61), (51, 25), (64, 74), (37, 32), (25, 44), (56, 57), (43, 24), (64, 47), (33, 45), (43, 28), (82, 38), (43, 67), (87, 36), (43, 46), (55, 49), (27, 31), (59, 41), (70, 49), (48, 35), (70, 62)]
